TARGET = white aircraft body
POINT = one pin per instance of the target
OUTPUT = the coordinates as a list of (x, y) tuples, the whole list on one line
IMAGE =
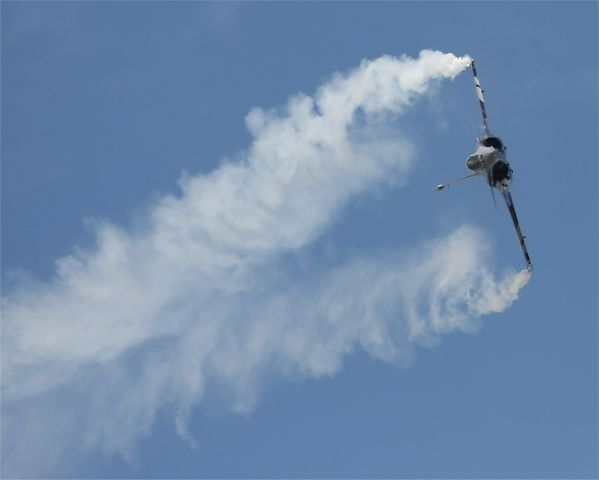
[(489, 160)]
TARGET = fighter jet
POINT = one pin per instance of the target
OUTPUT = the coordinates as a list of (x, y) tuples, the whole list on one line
[(489, 160)]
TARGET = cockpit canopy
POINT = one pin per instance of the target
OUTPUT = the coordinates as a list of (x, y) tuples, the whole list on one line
[(493, 142)]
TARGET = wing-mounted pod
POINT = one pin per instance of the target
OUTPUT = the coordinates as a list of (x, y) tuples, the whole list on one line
[(493, 142), (500, 176)]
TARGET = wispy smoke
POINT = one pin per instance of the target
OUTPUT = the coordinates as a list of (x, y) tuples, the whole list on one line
[(200, 299)]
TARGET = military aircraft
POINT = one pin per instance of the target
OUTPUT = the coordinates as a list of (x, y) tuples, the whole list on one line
[(489, 160)]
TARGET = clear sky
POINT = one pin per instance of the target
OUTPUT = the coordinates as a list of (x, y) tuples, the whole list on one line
[(104, 105)]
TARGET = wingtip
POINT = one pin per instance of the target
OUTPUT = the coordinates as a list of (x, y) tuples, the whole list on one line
[(529, 267)]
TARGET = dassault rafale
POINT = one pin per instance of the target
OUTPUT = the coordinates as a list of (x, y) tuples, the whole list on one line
[(489, 160)]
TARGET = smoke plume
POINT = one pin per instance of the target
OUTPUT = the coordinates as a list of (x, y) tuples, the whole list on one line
[(200, 299)]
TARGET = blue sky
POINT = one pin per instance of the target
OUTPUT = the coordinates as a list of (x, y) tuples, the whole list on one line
[(105, 104)]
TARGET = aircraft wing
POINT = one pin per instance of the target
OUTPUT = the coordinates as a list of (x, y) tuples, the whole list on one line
[(510, 205), (442, 186), (481, 99)]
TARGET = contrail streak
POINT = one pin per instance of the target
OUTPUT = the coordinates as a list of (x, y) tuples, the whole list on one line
[(200, 298)]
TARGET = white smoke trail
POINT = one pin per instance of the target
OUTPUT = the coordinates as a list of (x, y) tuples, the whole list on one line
[(200, 299)]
